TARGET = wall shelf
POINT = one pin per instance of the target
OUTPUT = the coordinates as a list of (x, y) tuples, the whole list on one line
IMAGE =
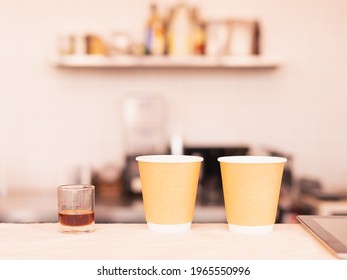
[(91, 61)]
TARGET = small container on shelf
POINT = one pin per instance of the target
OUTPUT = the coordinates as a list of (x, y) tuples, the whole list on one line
[(179, 33), (155, 33)]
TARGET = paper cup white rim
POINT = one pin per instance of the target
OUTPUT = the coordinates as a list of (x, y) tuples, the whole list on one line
[(169, 158), (250, 230), (252, 159), (165, 228)]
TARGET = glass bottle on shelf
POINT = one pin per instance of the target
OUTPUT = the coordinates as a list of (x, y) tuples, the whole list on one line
[(155, 33), (198, 33)]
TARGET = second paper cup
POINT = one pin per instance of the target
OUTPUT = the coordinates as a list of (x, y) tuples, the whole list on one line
[(251, 187), (169, 187)]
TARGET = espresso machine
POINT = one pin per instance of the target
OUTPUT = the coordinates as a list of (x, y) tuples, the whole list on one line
[(210, 190)]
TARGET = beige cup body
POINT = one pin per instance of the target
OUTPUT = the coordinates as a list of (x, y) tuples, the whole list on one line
[(169, 191), (251, 192)]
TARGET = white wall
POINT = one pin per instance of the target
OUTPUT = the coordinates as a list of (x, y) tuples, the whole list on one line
[(53, 119)]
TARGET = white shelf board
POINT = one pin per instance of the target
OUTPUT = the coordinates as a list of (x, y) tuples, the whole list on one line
[(90, 61)]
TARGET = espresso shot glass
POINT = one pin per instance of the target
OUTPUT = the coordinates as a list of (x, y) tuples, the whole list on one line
[(76, 208)]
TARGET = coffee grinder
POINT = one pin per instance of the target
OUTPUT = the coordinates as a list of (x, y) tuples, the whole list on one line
[(144, 129)]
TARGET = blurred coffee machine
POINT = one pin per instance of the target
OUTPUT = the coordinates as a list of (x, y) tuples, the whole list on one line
[(144, 129), (210, 190)]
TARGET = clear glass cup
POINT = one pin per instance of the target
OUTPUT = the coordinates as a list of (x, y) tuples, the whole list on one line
[(76, 208)]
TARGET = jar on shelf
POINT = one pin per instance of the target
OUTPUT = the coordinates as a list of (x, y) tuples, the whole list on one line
[(179, 32)]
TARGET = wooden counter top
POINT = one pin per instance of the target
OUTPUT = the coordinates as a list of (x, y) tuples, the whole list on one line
[(135, 241)]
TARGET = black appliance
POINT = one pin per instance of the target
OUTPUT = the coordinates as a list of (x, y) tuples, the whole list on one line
[(210, 191)]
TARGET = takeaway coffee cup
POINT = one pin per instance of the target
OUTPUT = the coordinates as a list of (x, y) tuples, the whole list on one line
[(169, 185), (251, 187)]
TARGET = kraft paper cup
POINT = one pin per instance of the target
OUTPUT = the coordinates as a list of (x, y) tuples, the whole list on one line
[(169, 186), (251, 187)]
